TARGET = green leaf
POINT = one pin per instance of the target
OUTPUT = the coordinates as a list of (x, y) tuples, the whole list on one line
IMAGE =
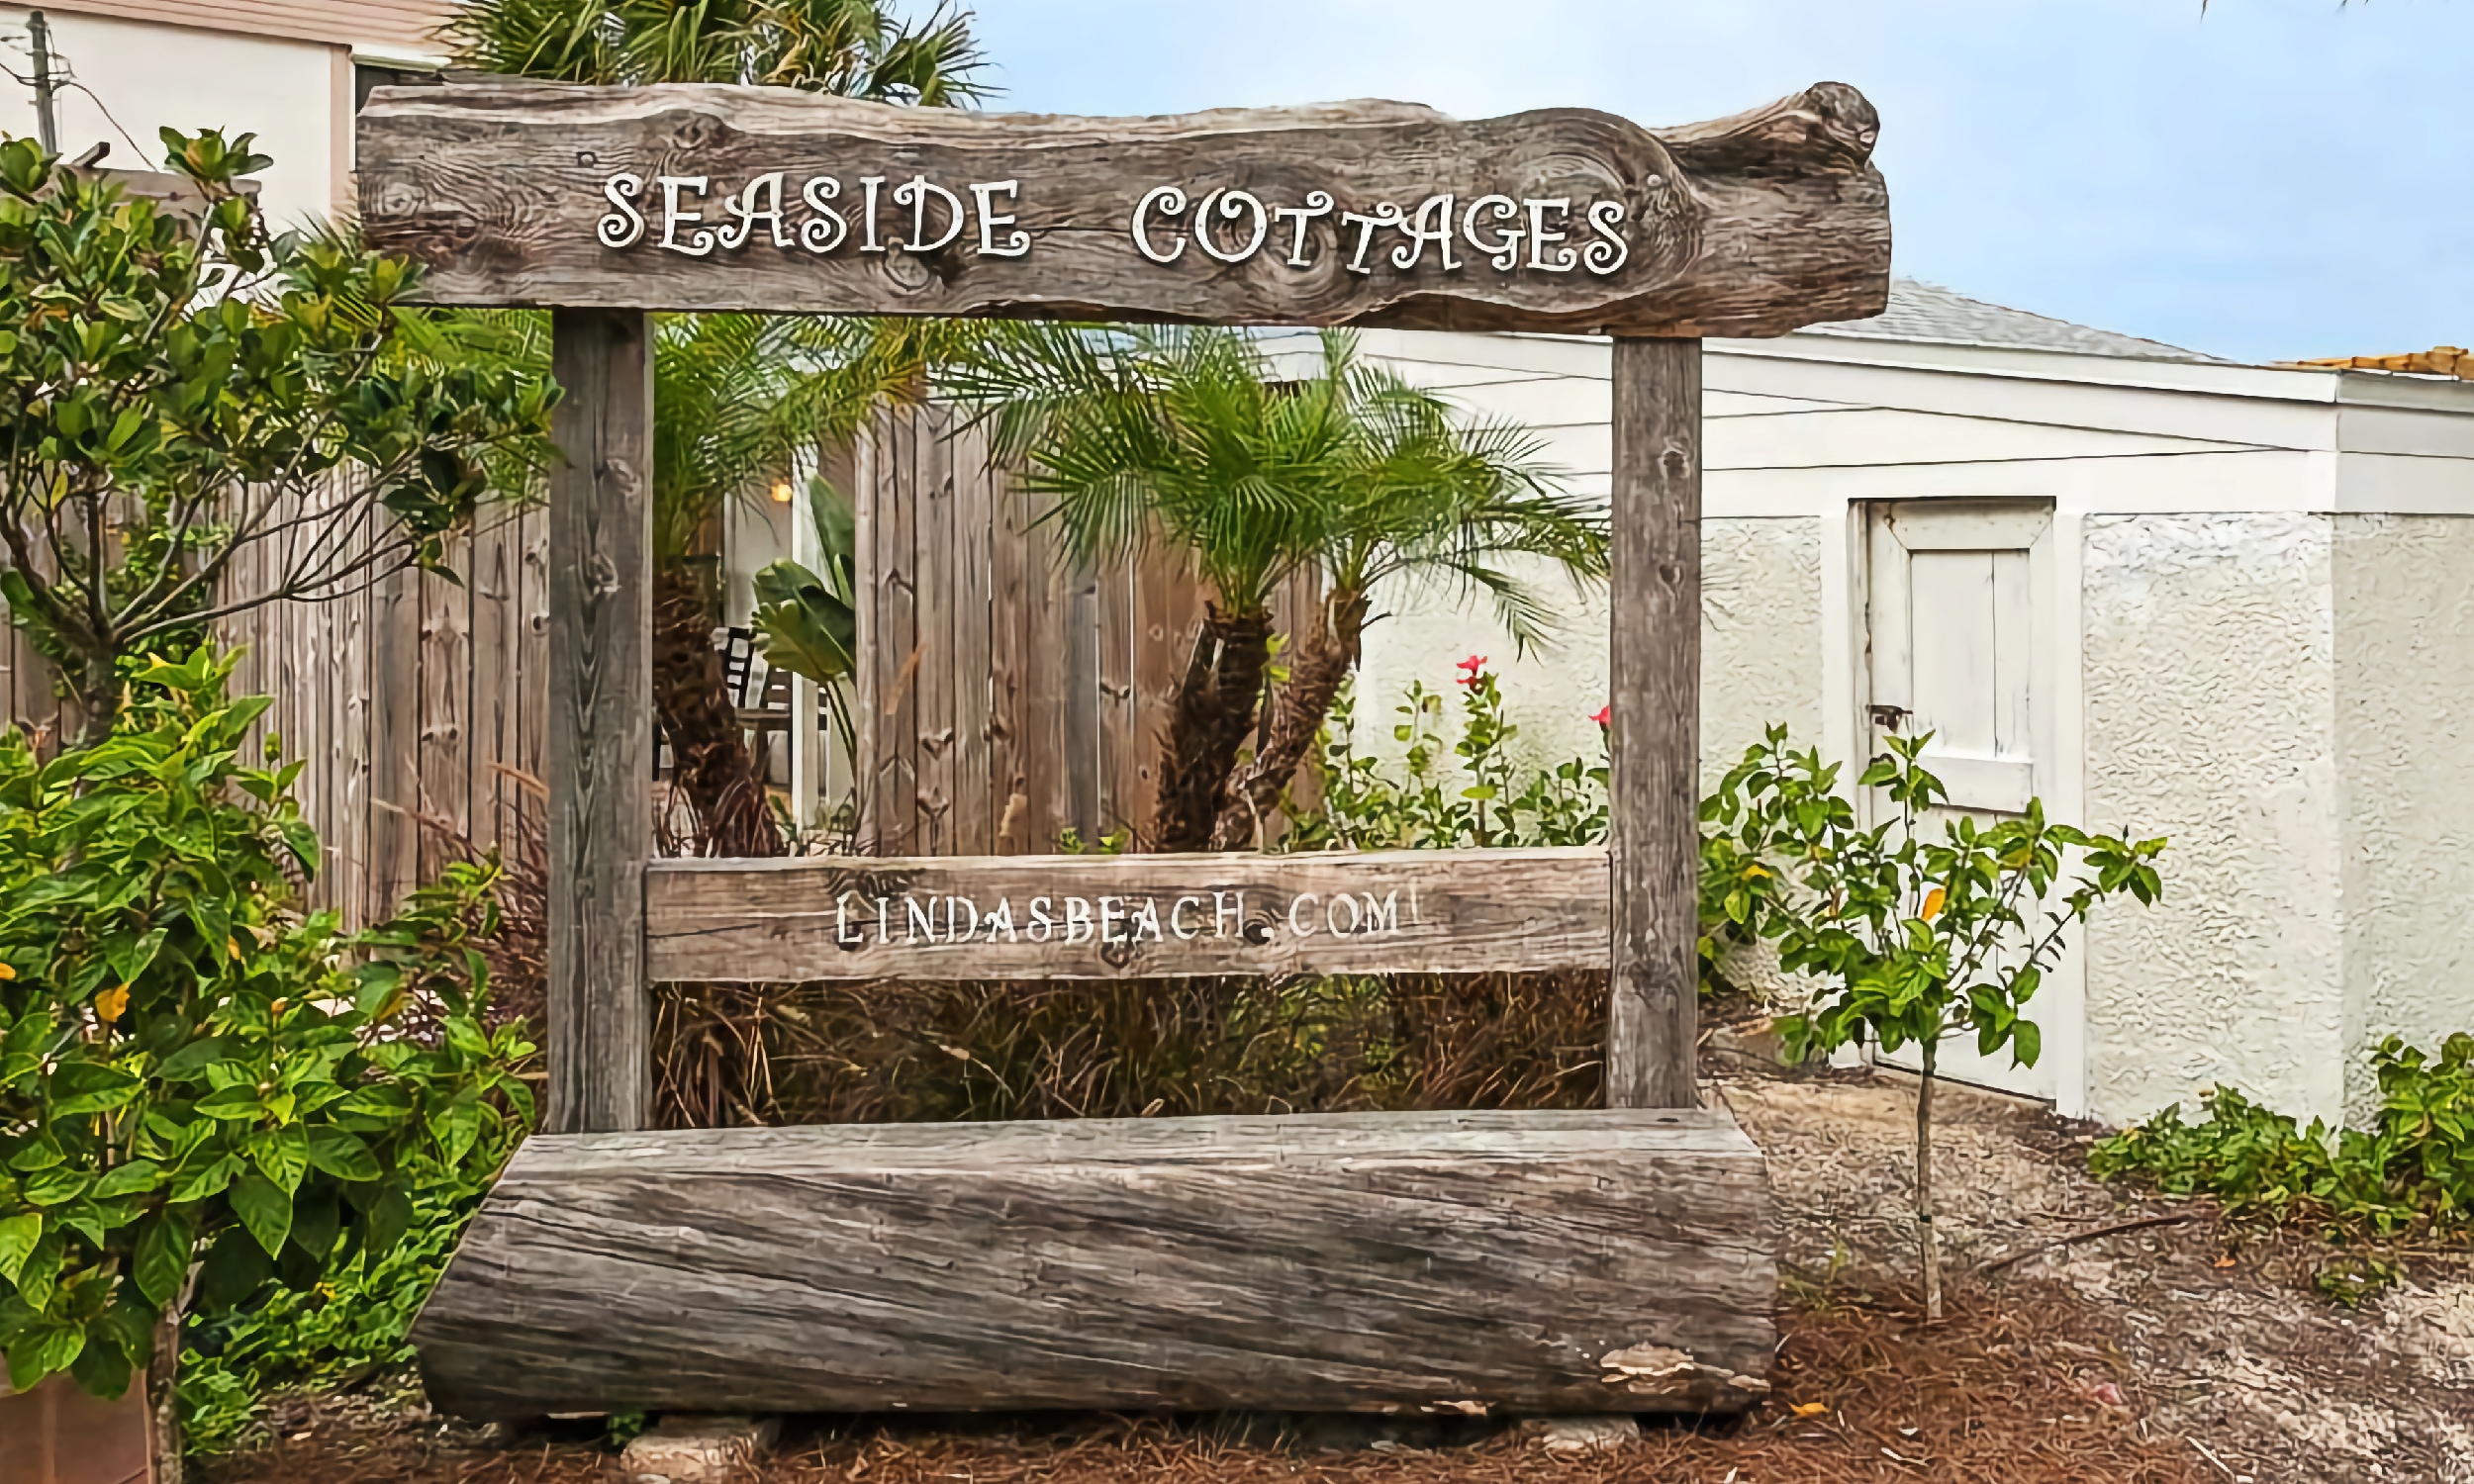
[(264, 1208), (206, 1181), (235, 1267), (56, 1186), (163, 1256), (41, 1350), (2027, 1043), (18, 1236), (136, 1178), (190, 1062), (91, 1087), (100, 1369), (239, 1103), (283, 1155), (342, 1155), (386, 1220)]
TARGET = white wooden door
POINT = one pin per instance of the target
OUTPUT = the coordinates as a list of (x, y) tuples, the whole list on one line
[(1959, 631)]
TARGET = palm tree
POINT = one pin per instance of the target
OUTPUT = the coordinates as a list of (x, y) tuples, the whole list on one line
[(852, 49), (739, 399), (1193, 436)]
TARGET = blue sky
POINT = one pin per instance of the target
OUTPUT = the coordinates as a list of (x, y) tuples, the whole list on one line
[(2276, 179)]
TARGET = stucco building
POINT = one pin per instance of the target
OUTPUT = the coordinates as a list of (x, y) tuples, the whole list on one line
[(2231, 604)]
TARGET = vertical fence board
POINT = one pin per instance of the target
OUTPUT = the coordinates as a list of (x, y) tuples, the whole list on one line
[(443, 789), (898, 781), (975, 803), (933, 573), (1011, 577)]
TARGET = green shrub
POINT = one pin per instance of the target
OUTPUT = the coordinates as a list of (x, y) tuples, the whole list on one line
[(2411, 1171), (192, 1070)]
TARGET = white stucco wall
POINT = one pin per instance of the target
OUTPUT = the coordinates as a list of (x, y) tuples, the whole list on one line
[(142, 77), (2404, 741), (2210, 692), (1760, 635)]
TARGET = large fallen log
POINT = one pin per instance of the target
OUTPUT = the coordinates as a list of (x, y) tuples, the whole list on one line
[(1539, 1261)]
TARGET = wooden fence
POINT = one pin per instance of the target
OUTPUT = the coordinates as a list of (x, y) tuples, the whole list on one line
[(1005, 695), (1003, 699)]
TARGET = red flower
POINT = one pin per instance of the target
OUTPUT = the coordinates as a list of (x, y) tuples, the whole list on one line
[(1605, 715), (1469, 669)]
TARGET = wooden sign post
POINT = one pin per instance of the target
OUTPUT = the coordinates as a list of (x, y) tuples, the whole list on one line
[(1609, 1261)]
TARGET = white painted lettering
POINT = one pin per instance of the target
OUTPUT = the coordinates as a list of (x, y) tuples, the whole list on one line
[(623, 226), (1301, 929), (1176, 918), (922, 919), (1385, 215), (1504, 250), (1433, 223), (913, 193), (841, 921), (1111, 913), (961, 926), (1564, 259), (825, 230), (1317, 203), (1002, 922), (1077, 915), (760, 202), (1147, 921), (1233, 203), (868, 187), (1171, 202), (1608, 254), (698, 243), (1228, 907), (1017, 243), (1040, 930), (1331, 914), (1382, 917)]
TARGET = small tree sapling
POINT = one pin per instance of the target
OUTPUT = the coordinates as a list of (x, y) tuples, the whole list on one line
[(1909, 939)]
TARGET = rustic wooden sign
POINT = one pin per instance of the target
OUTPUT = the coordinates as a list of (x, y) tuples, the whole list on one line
[(1367, 212), (1451, 1262), (1104, 917)]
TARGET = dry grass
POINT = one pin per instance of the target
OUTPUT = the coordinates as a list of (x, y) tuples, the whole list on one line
[(903, 1052), (2018, 1386)]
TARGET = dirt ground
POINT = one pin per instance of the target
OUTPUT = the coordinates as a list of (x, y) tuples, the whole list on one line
[(2158, 1355)]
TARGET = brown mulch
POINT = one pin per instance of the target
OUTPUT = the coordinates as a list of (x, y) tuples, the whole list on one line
[(2020, 1385)]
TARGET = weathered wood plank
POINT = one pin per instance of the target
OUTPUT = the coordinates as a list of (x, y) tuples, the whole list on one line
[(599, 729), (974, 819), (1364, 212), (867, 454), (1655, 674), (1066, 917), (935, 558), (395, 740), (1119, 626), (1013, 578), (1372, 1261)]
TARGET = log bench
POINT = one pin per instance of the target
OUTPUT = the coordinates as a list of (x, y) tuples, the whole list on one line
[(1472, 1262)]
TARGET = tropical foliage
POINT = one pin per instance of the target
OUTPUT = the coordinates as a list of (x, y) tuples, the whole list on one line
[(853, 49), (202, 417), (190, 1070), (1256, 470)]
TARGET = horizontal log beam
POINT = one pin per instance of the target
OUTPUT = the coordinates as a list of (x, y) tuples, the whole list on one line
[(1378, 213), (1543, 1261), (1084, 917)]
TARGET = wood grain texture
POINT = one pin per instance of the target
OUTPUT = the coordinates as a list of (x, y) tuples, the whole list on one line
[(1751, 225), (1465, 911), (1655, 678), (600, 734), (1383, 1261)]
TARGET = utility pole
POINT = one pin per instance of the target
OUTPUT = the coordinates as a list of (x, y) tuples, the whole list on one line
[(47, 119)]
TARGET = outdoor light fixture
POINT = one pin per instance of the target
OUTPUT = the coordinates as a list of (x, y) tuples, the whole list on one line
[(782, 491)]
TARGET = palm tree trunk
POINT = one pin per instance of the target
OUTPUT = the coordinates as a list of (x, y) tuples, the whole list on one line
[(1321, 663), (712, 766), (1208, 718)]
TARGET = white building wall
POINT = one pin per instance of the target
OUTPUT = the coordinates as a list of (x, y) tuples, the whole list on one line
[(2209, 691), (2405, 745), (142, 77), (2252, 655)]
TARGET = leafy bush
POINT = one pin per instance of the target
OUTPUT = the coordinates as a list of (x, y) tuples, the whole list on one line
[(2411, 1171), (190, 1070), (1455, 793)]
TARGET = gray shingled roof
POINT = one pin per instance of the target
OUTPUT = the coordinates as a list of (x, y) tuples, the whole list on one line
[(1921, 310)]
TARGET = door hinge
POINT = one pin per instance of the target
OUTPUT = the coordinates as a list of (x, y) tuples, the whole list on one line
[(1888, 718)]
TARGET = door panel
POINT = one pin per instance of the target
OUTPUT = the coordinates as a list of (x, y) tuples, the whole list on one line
[(1957, 625)]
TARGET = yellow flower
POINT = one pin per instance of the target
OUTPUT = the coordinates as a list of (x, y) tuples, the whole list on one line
[(1933, 900), (5, 973), (108, 1005), (231, 946)]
